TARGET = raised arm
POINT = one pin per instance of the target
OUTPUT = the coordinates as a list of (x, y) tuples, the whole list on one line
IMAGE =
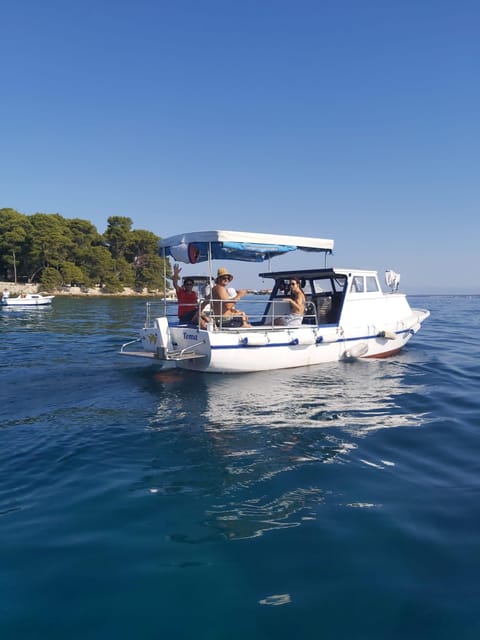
[(176, 276)]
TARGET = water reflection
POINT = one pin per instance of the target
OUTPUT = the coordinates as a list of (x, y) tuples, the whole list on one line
[(252, 444), (357, 396)]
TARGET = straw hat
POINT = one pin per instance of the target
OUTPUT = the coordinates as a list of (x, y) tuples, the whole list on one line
[(222, 272)]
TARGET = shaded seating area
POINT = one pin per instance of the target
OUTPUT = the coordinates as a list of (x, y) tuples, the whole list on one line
[(327, 307)]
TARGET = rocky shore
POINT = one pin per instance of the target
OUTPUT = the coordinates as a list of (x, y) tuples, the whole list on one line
[(17, 289)]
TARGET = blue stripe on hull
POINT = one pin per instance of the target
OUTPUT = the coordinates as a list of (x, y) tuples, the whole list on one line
[(290, 344)]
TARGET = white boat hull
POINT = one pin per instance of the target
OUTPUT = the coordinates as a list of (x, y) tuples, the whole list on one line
[(255, 349), (30, 300)]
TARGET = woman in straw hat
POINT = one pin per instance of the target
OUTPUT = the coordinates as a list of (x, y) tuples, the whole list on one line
[(223, 305)]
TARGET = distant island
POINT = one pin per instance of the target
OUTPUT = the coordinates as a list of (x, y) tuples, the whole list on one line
[(47, 252)]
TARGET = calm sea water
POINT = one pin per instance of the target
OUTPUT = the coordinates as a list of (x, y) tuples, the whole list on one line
[(335, 502)]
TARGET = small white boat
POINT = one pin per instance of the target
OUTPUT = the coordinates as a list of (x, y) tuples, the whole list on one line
[(27, 300), (347, 315)]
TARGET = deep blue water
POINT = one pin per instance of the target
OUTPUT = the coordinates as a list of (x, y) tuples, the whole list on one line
[(334, 502)]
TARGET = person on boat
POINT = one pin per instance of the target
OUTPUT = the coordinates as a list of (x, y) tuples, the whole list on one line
[(187, 299), (224, 305), (297, 306), (6, 294)]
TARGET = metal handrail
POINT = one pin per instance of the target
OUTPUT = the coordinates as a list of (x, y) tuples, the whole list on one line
[(160, 308), (126, 344)]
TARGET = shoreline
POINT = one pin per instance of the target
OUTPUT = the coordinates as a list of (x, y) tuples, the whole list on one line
[(87, 292)]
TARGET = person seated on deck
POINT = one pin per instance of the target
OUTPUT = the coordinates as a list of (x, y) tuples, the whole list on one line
[(223, 305), (297, 306), (187, 299)]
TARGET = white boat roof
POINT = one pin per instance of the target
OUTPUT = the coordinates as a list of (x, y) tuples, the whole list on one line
[(319, 244), (237, 245)]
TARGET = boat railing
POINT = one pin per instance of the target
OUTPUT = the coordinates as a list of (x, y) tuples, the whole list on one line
[(262, 313), (160, 309)]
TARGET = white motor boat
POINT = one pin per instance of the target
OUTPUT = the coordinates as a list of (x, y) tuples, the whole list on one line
[(27, 300), (347, 315)]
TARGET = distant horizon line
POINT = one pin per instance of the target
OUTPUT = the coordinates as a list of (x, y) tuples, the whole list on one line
[(442, 293)]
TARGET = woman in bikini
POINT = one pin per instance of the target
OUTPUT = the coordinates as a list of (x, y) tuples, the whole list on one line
[(297, 306)]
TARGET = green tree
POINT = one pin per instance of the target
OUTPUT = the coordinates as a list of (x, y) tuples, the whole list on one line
[(117, 235), (142, 253), (140, 243), (125, 273), (83, 235), (50, 243), (51, 279), (149, 273), (34, 247), (98, 265), (14, 230), (72, 274)]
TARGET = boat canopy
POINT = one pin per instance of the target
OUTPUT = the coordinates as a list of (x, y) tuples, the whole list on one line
[(201, 246)]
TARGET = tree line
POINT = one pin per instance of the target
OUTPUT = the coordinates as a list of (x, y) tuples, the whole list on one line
[(54, 251)]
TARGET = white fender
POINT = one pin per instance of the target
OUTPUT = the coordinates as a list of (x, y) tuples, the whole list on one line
[(388, 335), (254, 339), (356, 351), (308, 338)]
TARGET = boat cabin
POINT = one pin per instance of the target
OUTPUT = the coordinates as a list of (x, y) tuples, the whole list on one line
[(325, 292)]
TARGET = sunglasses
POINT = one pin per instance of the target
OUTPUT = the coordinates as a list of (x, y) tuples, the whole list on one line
[(188, 284)]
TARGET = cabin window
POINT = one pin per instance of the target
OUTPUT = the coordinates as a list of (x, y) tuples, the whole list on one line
[(307, 287), (323, 285), (372, 284), (357, 284)]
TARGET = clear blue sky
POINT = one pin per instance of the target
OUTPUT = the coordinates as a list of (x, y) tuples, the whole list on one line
[(356, 120)]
